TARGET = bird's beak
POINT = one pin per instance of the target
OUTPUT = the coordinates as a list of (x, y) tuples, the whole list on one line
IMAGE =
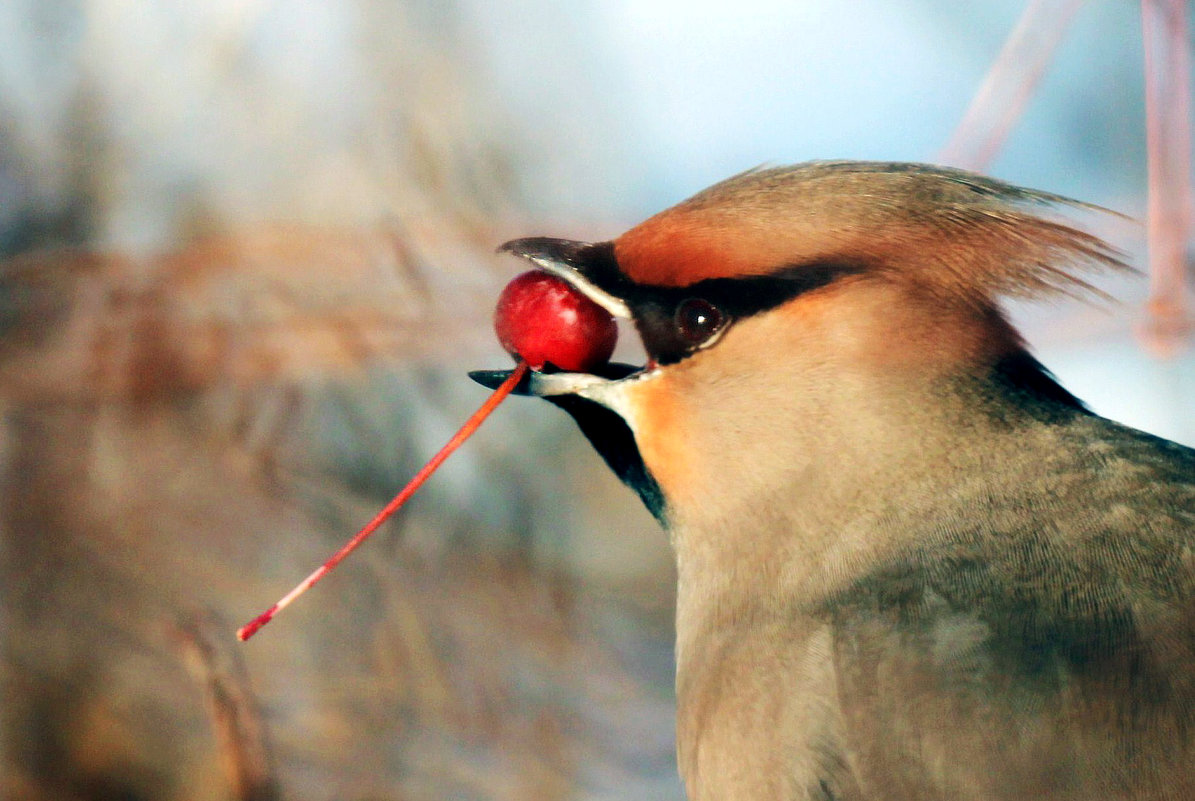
[(548, 384), (576, 263)]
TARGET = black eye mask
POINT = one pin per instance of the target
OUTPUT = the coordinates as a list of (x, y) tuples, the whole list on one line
[(675, 322)]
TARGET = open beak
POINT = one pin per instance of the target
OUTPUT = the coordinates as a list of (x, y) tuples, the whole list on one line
[(586, 265), (582, 265), (596, 401), (547, 384)]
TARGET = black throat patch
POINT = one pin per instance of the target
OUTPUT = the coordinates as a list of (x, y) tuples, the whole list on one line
[(611, 437)]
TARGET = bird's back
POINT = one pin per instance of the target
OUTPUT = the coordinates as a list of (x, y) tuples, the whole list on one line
[(1038, 639)]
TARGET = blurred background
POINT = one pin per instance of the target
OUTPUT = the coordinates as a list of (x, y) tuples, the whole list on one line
[(247, 258)]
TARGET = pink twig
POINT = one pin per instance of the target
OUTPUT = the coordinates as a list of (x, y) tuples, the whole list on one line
[(1168, 148), (1009, 84)]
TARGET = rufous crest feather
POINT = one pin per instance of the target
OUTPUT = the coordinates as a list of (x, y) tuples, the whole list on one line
[(963, 236)]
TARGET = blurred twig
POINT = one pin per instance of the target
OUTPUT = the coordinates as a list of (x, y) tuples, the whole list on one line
[(1009, 84), (216, 664), (1168, 145)]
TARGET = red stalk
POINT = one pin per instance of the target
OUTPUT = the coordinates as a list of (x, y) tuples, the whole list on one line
[(466, 431)]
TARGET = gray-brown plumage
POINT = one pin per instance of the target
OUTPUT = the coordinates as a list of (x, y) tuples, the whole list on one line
[(911, 565)]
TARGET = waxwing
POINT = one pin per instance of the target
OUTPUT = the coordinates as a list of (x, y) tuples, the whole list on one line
[(911, 565)]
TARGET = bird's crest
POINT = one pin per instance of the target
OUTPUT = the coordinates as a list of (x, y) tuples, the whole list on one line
[(961, 235)]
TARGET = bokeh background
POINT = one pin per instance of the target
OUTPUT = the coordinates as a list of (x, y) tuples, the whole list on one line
[(247, 259)]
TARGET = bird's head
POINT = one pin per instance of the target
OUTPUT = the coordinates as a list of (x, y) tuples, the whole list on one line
[(802, 322)]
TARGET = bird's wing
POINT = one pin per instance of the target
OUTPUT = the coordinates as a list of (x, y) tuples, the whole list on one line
[(1037, 641)]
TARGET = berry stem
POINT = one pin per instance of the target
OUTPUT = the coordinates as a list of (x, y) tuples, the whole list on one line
[(471, 425)]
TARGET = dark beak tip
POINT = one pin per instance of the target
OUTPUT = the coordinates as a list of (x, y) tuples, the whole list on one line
[(490, 379), (543, 247)]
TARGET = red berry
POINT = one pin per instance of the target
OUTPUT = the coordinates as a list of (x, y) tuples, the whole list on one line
[(541, 318)]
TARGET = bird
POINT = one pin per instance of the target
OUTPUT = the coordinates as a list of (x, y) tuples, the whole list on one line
[(910, 564)]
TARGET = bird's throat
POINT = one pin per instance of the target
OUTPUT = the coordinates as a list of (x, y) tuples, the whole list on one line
[(613, 439)]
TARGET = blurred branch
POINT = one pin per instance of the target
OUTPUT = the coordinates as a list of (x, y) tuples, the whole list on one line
[(1009, 84), (1168, 145), (216, 664)]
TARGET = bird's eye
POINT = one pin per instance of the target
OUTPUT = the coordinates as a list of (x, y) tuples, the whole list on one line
[(697, 321)]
